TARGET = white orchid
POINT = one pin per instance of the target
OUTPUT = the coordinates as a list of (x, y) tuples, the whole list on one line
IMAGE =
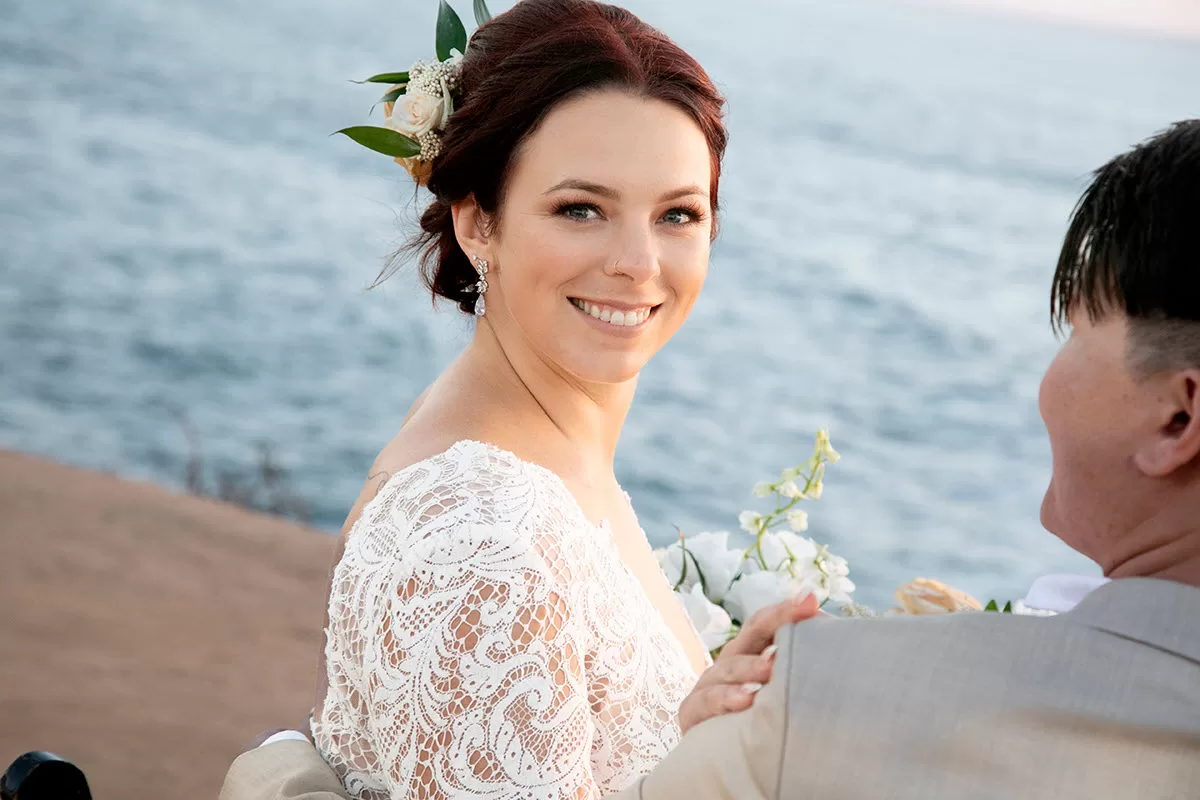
[(710, 620), (677, 568), (758, 590), (704, 559), (717, 563), (781, 550)]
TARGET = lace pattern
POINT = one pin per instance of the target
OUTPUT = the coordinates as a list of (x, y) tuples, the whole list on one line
[(485, 640)]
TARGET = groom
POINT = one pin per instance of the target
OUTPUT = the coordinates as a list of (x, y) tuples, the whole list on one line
[(1100, 702)]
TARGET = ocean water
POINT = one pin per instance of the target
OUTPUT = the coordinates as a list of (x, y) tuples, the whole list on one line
[(181, 238)]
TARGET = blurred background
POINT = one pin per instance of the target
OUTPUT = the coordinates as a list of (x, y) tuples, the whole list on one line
[(185, 251)]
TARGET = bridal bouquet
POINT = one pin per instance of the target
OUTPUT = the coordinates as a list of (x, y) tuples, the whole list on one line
[(721, 585)]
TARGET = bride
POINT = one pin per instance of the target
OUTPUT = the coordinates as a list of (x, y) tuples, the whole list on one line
[(497, 624)]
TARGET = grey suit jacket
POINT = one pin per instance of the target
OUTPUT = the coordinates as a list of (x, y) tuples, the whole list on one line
[(1103, 702)]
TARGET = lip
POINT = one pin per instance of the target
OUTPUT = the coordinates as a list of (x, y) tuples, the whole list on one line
[(626, 331), (617, 304)]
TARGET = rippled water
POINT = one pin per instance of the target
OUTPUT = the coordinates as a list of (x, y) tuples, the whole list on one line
[(179, 235)]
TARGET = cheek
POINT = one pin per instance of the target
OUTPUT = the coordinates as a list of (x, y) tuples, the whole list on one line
[(685, 269), (540, 258)]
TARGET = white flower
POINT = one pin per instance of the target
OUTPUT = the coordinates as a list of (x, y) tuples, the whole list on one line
[(789, 489), (824, 448), (711, 621), (840, 588), (749, 593), (1020, 608), (670, 559), (814, 491), (415, 114), (763, 489), (718, 563), (709, 561), (822, 574), (787, 551), (790, 474), (798, 520), (750, 521)]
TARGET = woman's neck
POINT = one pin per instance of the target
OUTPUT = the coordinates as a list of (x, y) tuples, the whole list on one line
[(534, 395)]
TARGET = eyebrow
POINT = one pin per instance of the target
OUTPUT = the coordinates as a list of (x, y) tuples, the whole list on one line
[(613, 194)]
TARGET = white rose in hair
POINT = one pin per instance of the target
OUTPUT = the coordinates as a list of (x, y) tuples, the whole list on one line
[(712, 622), (415, 115), (752, 592)]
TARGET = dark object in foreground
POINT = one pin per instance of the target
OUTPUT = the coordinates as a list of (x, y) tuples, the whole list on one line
[(38, 775)]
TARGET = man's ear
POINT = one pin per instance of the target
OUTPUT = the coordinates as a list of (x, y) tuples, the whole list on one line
[(472, 228), (1176, 441)]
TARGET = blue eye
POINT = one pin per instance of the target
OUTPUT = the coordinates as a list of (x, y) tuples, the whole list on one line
[(682, 216), (582, 212)]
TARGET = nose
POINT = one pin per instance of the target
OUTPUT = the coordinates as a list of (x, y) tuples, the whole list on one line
[(637, 256)]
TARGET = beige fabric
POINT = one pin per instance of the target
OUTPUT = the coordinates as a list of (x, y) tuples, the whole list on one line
[(288, 770), (1103, 702), (294, 770)]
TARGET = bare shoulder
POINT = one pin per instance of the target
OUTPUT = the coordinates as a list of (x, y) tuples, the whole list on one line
[(428, 429)]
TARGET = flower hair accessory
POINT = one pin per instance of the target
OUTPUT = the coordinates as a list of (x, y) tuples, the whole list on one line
[(419, 103)]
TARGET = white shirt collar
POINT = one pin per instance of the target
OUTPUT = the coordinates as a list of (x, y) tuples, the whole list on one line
[(1061, 592)]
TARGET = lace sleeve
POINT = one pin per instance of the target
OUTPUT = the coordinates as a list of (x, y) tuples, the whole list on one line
[(455, 660)]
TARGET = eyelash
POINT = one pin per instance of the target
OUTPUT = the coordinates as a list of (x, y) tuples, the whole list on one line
[(694, 213)]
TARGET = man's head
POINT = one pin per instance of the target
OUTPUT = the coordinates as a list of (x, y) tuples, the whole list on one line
[(1121, 402)]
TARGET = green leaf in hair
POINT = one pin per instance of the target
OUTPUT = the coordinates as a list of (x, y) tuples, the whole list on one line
[(383, 140), (451, 35)]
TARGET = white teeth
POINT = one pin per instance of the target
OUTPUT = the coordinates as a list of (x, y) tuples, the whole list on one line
[(621, 319)]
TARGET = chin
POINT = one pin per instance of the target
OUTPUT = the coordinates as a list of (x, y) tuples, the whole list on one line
[(606, 368), (1049, 514)]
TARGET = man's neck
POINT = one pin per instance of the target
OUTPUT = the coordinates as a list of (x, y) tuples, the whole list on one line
[(1165, 546)]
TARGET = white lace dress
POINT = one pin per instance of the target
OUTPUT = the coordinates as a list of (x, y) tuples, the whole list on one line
[(486, 640)]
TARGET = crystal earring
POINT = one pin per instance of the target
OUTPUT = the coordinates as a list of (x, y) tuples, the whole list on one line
[(481, 285)]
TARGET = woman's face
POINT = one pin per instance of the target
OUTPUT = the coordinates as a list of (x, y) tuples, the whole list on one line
[(603, 237)]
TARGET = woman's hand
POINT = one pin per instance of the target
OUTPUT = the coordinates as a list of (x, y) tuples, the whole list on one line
[(744, 664)]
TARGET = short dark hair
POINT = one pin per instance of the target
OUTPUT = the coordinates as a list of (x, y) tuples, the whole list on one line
[(1134, 246), (517, 68)]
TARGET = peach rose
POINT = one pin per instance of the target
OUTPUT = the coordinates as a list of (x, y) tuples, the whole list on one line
[(927, 596)]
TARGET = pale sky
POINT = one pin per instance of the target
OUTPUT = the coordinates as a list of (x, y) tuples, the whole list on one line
[(1176, 18)]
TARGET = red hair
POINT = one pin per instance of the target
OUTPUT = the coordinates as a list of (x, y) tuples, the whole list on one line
[(517, 68)]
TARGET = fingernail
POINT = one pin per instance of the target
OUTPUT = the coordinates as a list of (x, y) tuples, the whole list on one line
[(770, 652), (751, 688)]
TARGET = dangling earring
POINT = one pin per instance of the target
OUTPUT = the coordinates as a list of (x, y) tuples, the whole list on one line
[(481, 267)]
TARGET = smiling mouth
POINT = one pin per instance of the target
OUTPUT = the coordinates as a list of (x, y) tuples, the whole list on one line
[(617, 317)]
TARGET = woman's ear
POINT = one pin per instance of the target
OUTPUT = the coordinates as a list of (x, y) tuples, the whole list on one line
[(1176, 442), (471, 227)]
